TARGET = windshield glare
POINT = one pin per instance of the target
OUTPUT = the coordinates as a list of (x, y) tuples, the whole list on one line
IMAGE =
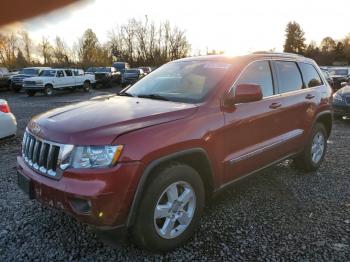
[(48, 73), (29, 71), (188, 81)]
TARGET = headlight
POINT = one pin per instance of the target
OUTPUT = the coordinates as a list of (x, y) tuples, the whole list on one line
[(336, 96), (90, 156)]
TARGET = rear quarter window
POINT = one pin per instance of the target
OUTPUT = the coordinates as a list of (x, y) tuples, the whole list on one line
[(288, 75), (310, 75)]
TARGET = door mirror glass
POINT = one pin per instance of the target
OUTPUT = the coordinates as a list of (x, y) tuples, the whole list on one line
[(245, 93)]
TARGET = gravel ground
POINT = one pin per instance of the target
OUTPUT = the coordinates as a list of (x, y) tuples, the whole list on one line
[(279, 214)]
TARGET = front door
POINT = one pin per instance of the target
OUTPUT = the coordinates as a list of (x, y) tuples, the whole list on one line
[(253, 129)]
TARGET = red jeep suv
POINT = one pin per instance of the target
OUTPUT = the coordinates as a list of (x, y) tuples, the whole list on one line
[(148, 159)]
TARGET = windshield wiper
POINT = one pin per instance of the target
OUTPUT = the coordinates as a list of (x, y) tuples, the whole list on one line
[(125, 94), (154, 96)]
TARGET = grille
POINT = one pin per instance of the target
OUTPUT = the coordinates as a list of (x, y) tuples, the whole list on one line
[(41, 155), (347, 99), (29, 82), (18, 80)]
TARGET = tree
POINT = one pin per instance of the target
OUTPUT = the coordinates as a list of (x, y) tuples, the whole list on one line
[(46, 50), (328, 45), (295, 40), (89, 45), (27, 45), (61, 52), (20, 59)]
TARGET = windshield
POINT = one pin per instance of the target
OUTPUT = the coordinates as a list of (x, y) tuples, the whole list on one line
[(187, 82), (103, 70), (342, 72), (48, 73), (29, 71), (91, 70)]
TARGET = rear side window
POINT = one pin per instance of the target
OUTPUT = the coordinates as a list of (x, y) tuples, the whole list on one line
[(258, 73), (289, 78), (310, 75)]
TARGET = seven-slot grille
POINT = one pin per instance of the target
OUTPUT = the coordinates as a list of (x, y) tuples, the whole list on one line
[(40, 154)]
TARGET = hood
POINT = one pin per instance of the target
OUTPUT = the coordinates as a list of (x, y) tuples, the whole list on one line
[(100, 121), (23, 76), (344, 91), (40, 78)]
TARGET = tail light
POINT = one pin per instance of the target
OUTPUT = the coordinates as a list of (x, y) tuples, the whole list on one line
[(5, 108)]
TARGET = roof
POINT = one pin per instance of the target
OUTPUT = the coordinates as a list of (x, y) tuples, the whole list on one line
[(230, 59)]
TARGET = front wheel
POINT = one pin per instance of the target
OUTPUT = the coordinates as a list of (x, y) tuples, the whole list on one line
[(48, 90), (170, 209), (312, 156), (86, 86)]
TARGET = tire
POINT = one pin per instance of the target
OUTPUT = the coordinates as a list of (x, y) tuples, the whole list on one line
[(86, 86), (48, 90), (312, 156), (16, 89), (30, 92), (148, 231)]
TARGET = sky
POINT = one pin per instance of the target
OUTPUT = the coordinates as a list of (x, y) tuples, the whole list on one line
[(236, 27)]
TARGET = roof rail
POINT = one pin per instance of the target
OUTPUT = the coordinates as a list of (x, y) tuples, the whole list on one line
[(276, 53)]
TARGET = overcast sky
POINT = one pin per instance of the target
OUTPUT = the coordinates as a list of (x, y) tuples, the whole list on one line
[(236, 27)]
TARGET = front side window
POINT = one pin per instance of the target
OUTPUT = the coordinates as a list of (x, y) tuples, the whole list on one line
[(310, 75), (289, 78), (48, 73), (184, 81), (258, 73)]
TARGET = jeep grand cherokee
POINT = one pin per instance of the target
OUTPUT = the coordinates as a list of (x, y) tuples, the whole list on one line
[(149, 159)]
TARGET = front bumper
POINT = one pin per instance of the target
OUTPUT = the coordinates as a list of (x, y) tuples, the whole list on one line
[(109, 192), (34, 87)]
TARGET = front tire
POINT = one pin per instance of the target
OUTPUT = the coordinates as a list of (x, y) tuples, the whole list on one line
[(312, 156), (86, 86), (170, 209), (48, 90)]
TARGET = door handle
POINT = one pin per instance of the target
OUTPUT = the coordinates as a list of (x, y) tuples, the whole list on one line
[(309, 96), (275, 105)]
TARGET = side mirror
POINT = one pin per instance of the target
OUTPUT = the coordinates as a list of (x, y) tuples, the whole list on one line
[(245, 93)]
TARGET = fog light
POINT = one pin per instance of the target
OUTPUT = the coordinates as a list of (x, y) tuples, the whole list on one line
[(81, 206)]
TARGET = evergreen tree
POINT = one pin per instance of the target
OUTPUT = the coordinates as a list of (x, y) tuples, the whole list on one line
[(295, 40)]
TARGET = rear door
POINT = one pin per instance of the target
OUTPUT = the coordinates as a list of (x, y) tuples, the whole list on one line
[(253, 130), (298, 104)]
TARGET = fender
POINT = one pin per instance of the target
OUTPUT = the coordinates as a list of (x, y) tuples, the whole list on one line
[(147, 172), (321, 114)]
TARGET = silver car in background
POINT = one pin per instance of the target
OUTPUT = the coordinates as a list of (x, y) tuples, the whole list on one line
[(8, 123)]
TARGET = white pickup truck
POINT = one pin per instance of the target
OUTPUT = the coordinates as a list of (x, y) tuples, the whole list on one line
[(54, 79)]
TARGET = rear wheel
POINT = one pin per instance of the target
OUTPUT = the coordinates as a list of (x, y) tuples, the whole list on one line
[(170, 209), (30, 92), (312, 156), (86, 86), (48, 90)]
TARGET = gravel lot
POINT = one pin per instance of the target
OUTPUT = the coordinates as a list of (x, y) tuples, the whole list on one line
[(278, 214)]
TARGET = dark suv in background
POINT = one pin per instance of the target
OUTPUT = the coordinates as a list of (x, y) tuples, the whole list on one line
[(148, 160)]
